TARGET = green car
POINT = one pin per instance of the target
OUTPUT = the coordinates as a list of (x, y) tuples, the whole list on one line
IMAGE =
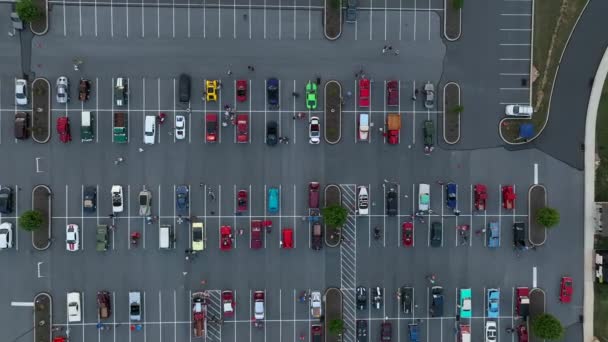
[(311, 95), (465, 303)]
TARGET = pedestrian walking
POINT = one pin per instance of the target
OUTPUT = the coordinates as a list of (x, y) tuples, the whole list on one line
[(396, 52), (384, 50), (229, 72), (203, 282), (456, 212), (480, 231), (440, 182)]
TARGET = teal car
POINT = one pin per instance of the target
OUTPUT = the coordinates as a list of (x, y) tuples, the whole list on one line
[(465, 303), (273, 200), (311, 95)]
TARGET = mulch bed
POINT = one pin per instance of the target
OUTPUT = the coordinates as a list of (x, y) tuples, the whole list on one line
[(41, 101), (333, 310), (452, 20), (332, 197), (41, 25), (537, 201), (452, 118), (41, 202), (333, 112), (42, 317), (537, 307), (333, 19)]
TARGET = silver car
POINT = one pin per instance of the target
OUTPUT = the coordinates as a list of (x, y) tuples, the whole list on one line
[(63, 90), (21, 92), (429, 95), (145, 202)]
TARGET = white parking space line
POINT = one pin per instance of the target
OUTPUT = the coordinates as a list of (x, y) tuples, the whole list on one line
[(264, 19), (371, 5), (234, 19), (415, 10), (160, 316), (158, 102), (80, 17), (280, 20), (294, 20), (143, 19), (219, 19), (385, 19), (157, 18), (515, 29), (205, 19), (535, 173), (64, 26), (174, 94), (429, 13), (95, 11), (127, 11)]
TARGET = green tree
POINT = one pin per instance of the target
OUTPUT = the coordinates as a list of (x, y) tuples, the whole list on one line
[(336, 326), (547, 217), (458, 109), (27, 10), (335, 215), (30, 220), (547, 327), (457, 4)]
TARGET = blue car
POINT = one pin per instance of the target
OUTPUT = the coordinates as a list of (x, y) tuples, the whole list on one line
[(272, 90), (493, 299), (450, 195), (273, 200), (493, 234), (182, 200)]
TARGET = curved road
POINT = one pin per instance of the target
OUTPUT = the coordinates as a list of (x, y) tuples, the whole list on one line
[(564, 135)]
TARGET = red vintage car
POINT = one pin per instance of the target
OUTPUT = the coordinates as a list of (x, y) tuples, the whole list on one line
[(287, 238), (522, 333), (241, 90), (392, 93), (481, 195), (225, 238), (364, 92), (256, 234), (228, 303), (63, 129), (211, 128), (522, 306), (508, 197), (407, 234), (241, 201), (242, 127), (565, 293)]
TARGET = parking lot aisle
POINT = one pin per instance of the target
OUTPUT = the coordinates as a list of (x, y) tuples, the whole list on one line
[(348, 259)]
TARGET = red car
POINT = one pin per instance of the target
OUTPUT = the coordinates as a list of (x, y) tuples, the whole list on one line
[(241, 90), (225, 238), (63, 128), (565, 294), (241, 201), (211, 127), (228, 303), (481, 195), (256, 235), (508, 197), (522, 333), (523, 301), (364, 92), (287, 238), (392, 93), (316, 331), (407, 230), (313, 195), (242, 127)]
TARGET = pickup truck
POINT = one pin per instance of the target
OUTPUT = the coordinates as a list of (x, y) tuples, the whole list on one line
[(120, 130), (199, 313), (393, 125), (102, 238)]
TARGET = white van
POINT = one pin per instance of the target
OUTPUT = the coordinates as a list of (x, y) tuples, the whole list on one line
[(86, 127), (150, 130), (166, 238)]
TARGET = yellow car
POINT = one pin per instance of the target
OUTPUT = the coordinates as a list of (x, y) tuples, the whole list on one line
[(198, 236), (211, 87)]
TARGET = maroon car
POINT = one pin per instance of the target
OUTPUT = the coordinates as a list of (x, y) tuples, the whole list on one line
[(392, 93), (241, 201), (211, 128), (256, 234), (313, 195)]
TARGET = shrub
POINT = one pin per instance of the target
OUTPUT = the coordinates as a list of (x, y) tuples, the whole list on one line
[(335, 215), (458, 109), (547, 327), (547, 217), (457, 4), (30, 220), (27, 11), (336, 326)]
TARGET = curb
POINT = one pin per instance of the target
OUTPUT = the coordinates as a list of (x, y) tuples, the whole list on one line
[(529, 215), (331, 289), (459, 103), (325, 204), (325, 111), (444, 24), (325, 22), (46, 29), (49, 113), (49, 218), (552, 85), (49, 324)]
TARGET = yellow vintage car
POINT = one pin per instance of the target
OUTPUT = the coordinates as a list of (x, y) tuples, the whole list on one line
[(211, 89)]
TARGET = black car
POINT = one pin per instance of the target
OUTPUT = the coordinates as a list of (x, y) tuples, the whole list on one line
[(89, 199), (407, 299), (361, 331), (361, 298), (391, 202), (272, 133), (436, 234), (351, 11), (184, 88), (272, 90), (436, 309), (6, 200), (386, 331)]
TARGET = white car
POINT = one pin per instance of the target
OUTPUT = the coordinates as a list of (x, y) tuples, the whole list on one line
[(491, 331), (314, 130), (258, 305), (63, 90), (363, 127), (117, 199), (150, 130), (21, 92), (134, 305), (424, 197), (180, 127), (74, 312), (362, 200), (519, 110), (6, 235), (315, 304), (72, 238)]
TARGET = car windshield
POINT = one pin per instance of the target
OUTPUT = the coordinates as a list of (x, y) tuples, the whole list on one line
[(211, 127), (197, 235), (134, 309), (143, 200)]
